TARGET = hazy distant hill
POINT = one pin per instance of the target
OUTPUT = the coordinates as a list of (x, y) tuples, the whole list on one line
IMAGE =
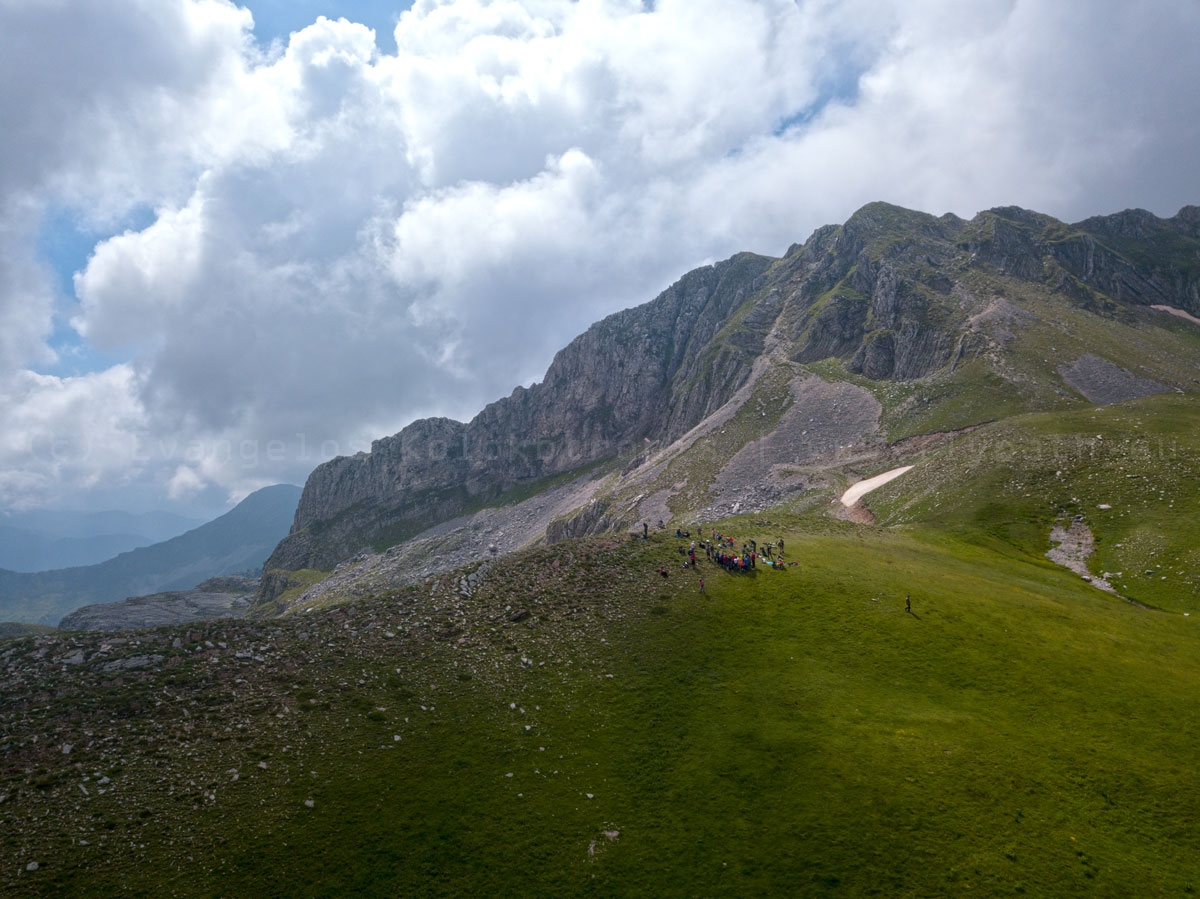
[(43, 540), (234, 543), (58, 523)]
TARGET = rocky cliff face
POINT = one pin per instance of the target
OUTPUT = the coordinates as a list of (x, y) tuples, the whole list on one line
[(889, 293), (647, 373), (1132, 257)]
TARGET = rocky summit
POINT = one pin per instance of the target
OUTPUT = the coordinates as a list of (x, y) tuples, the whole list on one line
[(751, 380)]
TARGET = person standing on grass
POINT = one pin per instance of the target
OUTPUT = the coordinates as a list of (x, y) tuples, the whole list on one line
[(701, 585), (908, 603)]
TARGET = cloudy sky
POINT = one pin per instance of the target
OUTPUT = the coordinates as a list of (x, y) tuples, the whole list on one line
[(238, 239)]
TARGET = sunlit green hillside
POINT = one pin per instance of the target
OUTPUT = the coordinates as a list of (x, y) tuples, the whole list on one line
[(579, 725)]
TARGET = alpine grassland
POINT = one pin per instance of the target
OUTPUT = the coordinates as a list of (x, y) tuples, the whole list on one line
[(1129, 471), (579, 724)]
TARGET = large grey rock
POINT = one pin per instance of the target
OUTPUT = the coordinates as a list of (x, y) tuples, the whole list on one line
[(637, 375), (223, 597)]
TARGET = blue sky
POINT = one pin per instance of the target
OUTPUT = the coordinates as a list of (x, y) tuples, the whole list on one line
[(219, 266), (276, 19), (64, 243), (65, 240)]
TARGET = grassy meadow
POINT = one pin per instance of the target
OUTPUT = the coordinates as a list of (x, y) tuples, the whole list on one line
[(1130, 471), (788, 732)]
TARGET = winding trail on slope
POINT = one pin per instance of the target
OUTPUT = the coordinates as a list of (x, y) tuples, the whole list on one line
[(862, 488)]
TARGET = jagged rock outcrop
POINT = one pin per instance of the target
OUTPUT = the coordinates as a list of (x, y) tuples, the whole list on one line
[(1132, 257), (648, 373), (593, 518), (893, 294)]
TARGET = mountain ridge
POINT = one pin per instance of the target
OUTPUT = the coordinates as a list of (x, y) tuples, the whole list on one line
[(891, 300), (43, 540), (943, 705)]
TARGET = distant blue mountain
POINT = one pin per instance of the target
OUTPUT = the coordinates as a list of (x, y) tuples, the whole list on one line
[(44, 540), (236, 543), (22, 550), (157, 526)]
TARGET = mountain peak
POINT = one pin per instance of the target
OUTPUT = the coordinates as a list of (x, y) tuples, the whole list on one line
[(956, 311)]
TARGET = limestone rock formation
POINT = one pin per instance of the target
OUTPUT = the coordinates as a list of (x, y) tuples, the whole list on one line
[(639, 374), (892, 296)]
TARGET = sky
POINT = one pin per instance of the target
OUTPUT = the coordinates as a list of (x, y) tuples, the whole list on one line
[(237, 240)]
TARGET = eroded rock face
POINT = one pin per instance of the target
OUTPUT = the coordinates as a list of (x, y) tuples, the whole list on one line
[(1131, 257), (637, 375), (886, 293)]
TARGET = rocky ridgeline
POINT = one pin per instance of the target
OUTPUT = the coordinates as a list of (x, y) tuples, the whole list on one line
[(884, 293), (626, 379)]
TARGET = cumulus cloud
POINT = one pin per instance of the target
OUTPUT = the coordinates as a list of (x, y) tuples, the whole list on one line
[(344, 239), (67, 434)]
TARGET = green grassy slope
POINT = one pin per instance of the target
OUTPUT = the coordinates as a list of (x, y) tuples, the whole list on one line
[(1007, 483), (790, 733)]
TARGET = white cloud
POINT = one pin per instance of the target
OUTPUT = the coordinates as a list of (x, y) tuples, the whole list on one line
[(65, 435), (185, 483), (345, 239), (27, 296)]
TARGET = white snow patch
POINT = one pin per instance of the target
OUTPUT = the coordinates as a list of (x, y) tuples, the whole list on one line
[(1179, 313), (862, 488)]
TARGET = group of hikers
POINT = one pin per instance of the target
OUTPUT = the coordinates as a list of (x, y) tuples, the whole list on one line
[(723, 550)]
